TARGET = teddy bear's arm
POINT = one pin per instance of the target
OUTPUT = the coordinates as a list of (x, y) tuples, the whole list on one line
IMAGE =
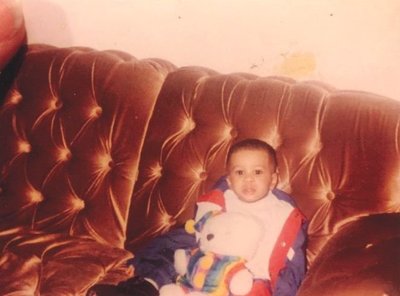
[(180, 261)]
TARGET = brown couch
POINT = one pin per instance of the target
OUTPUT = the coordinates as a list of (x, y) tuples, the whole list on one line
[(101, 151)]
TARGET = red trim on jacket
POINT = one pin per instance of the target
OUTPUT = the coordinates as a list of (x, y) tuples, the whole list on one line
[(284, 242), (215, 196)]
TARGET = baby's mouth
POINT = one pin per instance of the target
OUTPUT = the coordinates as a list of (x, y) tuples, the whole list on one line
[(249, 190)]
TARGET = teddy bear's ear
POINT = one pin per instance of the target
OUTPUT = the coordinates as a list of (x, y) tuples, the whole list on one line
[(192, 226)]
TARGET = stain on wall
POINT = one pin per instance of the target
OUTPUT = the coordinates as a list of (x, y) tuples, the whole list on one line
[(297, 65)]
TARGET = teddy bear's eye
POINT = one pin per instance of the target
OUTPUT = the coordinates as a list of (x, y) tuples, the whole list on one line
[(210, 236)]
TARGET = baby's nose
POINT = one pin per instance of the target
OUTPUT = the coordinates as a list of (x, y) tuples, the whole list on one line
[(249, 177), (210, 236)]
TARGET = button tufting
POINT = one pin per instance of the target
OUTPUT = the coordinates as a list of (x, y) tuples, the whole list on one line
[(229, 132), (189, 125), (24, 147), (317, 146), (104, 161), (330, 195), (78, 204), (275, 139), (64, 154), (233, 133), (55, 104), (203, 175), (96, 112), (166, 219), (58, 104), (156, 171), (15, 99), (35, 196)]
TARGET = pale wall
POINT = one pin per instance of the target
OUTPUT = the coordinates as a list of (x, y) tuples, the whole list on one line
[(351, 44)]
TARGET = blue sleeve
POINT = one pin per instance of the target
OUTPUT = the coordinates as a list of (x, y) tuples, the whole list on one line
[(221, 184), (291, 276), (155, 260)]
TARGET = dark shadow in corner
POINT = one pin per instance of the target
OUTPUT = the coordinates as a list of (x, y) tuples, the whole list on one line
[(9, 73)]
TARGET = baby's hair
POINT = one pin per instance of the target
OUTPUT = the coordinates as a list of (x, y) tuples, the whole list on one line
[(254, 144)]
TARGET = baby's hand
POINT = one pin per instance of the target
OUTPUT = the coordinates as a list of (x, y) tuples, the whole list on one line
[(241, 282)]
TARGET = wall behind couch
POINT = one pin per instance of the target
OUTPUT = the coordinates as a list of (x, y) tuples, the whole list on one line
[(352, 44)]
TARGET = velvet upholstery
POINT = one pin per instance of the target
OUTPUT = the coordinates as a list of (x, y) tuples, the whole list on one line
[(101, 152), (71, 137)]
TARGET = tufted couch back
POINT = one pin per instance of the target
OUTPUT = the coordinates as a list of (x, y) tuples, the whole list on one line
[(101, 151), (71, 137), (338, 151)]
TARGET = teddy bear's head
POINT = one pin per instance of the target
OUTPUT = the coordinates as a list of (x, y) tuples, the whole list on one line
[(230, 234)]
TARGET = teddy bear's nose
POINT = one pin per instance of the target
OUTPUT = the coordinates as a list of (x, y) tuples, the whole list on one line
[(210, 236)]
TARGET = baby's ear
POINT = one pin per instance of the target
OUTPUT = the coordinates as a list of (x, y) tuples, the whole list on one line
[(228, 180), (274, 181)]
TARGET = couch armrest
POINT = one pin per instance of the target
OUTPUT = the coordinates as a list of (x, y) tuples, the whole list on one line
[(58, 264), (363, 258)]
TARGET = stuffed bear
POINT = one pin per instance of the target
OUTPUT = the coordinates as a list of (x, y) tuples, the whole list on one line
[(217, 267)]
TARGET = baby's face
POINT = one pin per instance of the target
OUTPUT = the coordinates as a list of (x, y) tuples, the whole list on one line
[(250, 174)]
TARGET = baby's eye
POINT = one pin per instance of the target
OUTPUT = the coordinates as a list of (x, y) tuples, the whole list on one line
[(239, 172), (258, 172)]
